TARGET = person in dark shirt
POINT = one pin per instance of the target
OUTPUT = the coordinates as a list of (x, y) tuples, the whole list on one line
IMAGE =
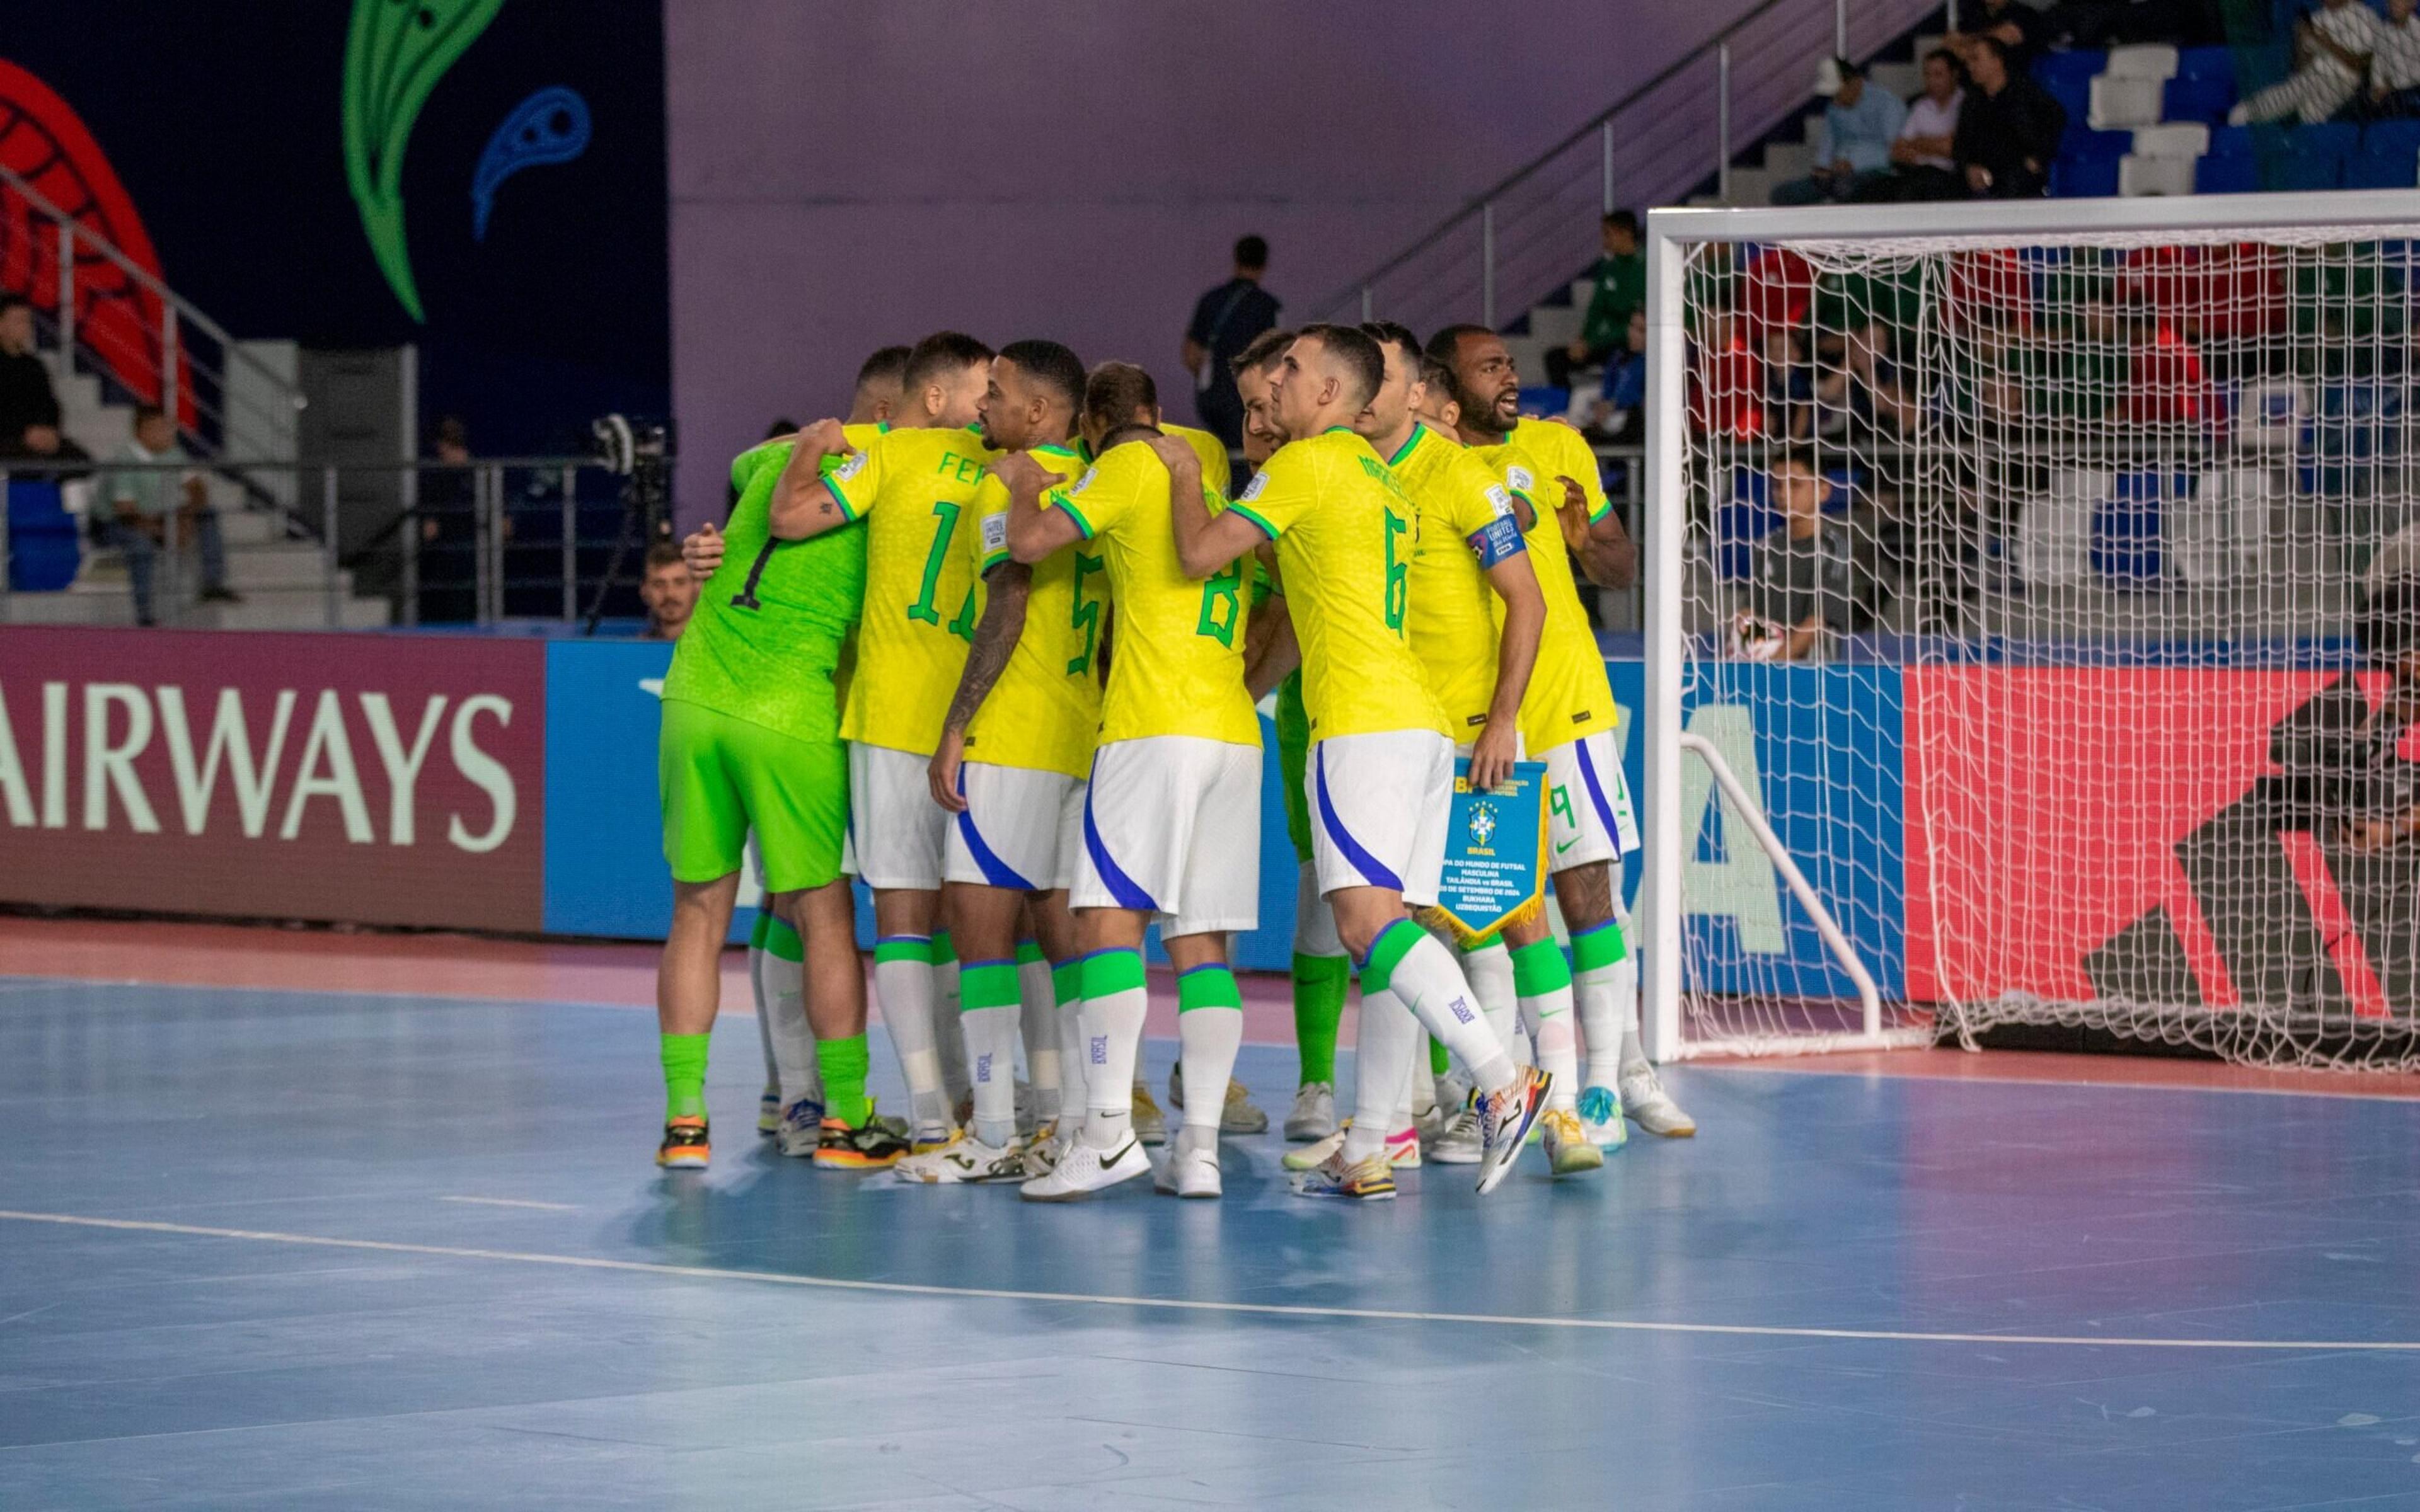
[(1225, 320), (1621, 279), (1806, 574), (25, 396), (2008, 128), (2021, 30)]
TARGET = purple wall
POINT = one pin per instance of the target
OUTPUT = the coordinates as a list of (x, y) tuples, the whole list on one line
[(845, 177)]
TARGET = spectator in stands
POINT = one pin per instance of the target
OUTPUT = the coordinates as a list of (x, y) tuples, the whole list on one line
[(447, 570), (1620, 287), (142, 506), (1225, 320), (2332, 49), (669, 590), (2007, 126), (2395, 66), (1864, 393), (1923, 166), (1789, 386), (52, 454), (2093, 24), (1852, 141), (2020, 29), (25, 396), (1619, 414), (1805, 577)]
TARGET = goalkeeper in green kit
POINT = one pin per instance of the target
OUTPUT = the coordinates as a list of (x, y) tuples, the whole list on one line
[(751, 741)]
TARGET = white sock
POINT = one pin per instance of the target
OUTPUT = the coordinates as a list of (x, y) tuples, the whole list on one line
[(989, 994), (1387, 1051), (1114, 1006), (956, 1077), (1489, 970), (1599, 957), (757, 954), (1068, 1019), (1425, 977), (1038, 1024), (1209, 1031), (903, 985), (785, 1014)]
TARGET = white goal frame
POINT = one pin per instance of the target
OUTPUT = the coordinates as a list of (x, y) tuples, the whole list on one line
[(2362, 214)]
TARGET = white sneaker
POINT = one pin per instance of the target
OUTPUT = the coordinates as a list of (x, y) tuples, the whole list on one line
[(1457, 1143), (1189, 1173), (1314, 1114), (1241, 1115), (802, 1130), (1042, 1151), (1652, 1108), (966, 1159), (1505, 1118), (1311, 1156), (1083, 1170), (1600, 1122)]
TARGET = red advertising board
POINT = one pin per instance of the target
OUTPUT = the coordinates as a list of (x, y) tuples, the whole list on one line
[(384, 780)]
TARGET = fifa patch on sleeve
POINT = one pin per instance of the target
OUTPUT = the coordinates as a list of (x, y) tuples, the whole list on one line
[(1499, 500), (1521, 478), (1499, 540), (851, 468), (994, 533), (1259, 485), (1081, 484)]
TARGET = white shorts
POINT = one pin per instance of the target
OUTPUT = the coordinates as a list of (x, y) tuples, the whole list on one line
[(1021, 829), (895, 825), (1588, 804), (1379, 808), (1172, 828)]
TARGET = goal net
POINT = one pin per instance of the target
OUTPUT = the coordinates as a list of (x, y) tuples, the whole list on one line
[(2041, 572)]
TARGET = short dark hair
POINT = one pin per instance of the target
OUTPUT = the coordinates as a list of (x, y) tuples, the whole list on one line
[(1052, 365), (939, 355), (1848, 67), (450, 431), (1957, 63), (665, 554), (1251, 252), (1792, 456), (145, 413), (2389, 625), (1621, 221), (1438, 376), (783, 426), (1393, 334), (1445, 347), (1992, 45), (889, 365), (1264, 348), (11, 301), (1365, 366), (1114, 391)]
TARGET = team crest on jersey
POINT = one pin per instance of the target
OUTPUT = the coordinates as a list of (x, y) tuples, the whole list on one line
[(1259, 485), (1483, 824), (850, 468), (1499, 500)]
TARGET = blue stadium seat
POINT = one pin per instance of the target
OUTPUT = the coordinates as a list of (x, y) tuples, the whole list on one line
[(2393, 136), (2190, 99), (2310, 170), (2083, 142), (2084, 178), (2230, 141), (1541, 399), (2226, 175), (2206, 63), (2329, 139), (2072, 71), (2382, 170), (43, 552)]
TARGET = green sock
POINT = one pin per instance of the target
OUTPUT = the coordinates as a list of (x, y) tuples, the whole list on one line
[(1439, 1062), (843, 1063), (684, 1056), (1319, 982)]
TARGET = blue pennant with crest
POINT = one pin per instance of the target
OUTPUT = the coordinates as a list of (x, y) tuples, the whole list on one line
[(1495, 851)]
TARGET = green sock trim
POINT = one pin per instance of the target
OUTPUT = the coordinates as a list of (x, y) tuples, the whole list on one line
[(987, 984), (756, 931), (843, 1063), (1599, 946), (1028, 953), (903, 947), (1538, 968), (684, 1058), (1319, 986), (943, 955), (1387, 952), (1067, 982), (1108, 972), (783, 941), (1439, 1062), (1207, 987)]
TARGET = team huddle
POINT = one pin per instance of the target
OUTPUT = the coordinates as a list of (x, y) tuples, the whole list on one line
[(994, 646)]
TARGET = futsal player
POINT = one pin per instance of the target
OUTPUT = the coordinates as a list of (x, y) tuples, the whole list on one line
[(1014, 746), (1567, 722), (1381, 761), (1171, 815)]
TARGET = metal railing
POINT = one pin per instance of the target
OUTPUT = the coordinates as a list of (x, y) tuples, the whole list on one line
[(139, 335), (474, 542), (1536, 228)]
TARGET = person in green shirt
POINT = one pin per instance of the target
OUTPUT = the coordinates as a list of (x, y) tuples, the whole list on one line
[(1621, 277)]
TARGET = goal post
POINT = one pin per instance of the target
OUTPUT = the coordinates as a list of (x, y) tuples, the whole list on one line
[(2035, 573)]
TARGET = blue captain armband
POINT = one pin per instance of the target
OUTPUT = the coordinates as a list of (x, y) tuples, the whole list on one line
[(1497, 541)]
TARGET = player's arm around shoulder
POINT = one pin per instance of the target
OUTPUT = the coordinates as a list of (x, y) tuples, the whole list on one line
[(1207, 541), (806, 503), (1035, 531)]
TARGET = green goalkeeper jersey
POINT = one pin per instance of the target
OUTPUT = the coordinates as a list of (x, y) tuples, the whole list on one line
[(771, 611)]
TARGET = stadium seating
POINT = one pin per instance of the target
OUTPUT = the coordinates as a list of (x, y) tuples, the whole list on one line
[(45, 550)]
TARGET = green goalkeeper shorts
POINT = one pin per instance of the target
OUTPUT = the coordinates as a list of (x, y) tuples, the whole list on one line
[(719, 777), (1293, 757)]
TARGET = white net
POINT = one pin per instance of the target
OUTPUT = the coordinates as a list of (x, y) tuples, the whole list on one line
[(2046, 592)]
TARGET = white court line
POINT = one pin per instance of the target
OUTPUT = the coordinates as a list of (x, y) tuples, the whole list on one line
[(517, 1203), (1255, 1310), (1879, 1074)]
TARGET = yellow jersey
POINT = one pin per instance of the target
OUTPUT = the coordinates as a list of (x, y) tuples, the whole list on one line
[(1045, 708), (913, 488), (1344, 529), (1465, 526), (1217, 471), (1569, 696), (1179, 668)]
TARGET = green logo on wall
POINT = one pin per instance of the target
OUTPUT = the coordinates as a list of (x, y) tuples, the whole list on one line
[(395, 53)]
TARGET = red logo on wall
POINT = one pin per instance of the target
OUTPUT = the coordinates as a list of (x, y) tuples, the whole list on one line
[(384, 781)]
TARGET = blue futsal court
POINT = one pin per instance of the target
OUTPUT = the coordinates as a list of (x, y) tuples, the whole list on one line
[(297, 1249)]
